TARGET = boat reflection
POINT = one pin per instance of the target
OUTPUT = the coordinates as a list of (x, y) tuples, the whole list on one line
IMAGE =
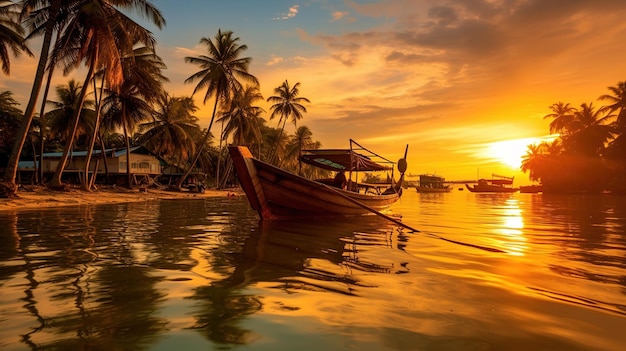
[(289, 256)]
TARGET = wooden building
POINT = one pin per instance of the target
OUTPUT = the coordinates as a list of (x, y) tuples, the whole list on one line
[(144, 165)]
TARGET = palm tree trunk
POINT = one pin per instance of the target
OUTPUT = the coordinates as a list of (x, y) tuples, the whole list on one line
[(98, 99), (55, 182), (219, 159), (278, 143), (11, 170), (128, 175), (104, 159), (41, 116), (200, 148)]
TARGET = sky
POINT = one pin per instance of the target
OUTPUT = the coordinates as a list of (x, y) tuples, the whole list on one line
[(465, 83)]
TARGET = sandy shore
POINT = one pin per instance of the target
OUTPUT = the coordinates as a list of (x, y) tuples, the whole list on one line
[(41, 197)]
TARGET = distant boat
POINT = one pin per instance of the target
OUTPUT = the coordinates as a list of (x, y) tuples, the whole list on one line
[(531, 189), (497, 184), (432, 184), (278, 194)]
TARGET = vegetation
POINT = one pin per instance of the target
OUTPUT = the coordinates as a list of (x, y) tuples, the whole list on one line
[(122, 102), (589, 153)]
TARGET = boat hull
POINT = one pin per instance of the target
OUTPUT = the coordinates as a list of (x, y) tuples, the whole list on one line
[(277, 194), (490, 189), (425, 189)]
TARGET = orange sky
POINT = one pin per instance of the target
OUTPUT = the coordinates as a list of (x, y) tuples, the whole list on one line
[(449, 78)]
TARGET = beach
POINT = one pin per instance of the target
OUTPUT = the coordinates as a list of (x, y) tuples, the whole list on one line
[(31, 197)]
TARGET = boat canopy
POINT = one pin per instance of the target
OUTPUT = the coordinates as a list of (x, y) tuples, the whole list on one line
[(341, 160), (500, 180)]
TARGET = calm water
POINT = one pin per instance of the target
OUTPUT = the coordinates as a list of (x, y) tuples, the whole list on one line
[(205, 275)]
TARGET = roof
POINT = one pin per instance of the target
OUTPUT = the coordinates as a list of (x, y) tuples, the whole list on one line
[(340, 160), (112, 152)]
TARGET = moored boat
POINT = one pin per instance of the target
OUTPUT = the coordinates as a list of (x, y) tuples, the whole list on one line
[(497, 184), (278, 194), (432, 184), (531, 189)]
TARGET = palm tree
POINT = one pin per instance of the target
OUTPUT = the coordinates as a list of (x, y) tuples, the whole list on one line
[(11, 35), (287, 104), (48, 15), (617, 147), (130, 104), (59, 118), (243, 118), (618, 103), (173, 132), (219, 74), (563, 115), (533, 161), (302, 139), (101, 35), (10, 118), (588, 133)]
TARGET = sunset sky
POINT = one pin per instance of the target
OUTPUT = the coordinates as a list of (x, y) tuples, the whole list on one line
[(465, 83)]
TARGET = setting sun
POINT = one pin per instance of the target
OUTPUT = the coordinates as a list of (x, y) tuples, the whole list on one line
[(510, 152)]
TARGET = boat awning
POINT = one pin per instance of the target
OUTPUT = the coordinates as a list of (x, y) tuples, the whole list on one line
[(341, 160)]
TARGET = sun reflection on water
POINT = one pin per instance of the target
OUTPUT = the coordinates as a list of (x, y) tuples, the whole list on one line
[(512, 228)]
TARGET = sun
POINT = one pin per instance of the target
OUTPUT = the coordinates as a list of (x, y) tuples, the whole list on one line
[(510, 152)]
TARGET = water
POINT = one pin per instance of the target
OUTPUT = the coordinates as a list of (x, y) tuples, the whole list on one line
[(203, 274)]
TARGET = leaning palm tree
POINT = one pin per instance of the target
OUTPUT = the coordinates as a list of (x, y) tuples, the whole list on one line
[(101, 35), (11, 35), (287, 104), (129, 105), (219, 74), (36, 12)]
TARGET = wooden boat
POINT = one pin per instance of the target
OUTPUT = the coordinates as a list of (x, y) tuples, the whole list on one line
[(531, 189), (497, 184), (278, 194), (432, 184)]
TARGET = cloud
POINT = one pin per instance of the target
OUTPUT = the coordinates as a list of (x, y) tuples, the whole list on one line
[(337, 15), (293, 11), (274, 60)]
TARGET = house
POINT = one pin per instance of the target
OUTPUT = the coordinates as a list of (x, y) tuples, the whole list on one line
[(144, 165)]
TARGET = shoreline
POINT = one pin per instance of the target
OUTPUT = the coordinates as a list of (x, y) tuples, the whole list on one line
[(36, 197)]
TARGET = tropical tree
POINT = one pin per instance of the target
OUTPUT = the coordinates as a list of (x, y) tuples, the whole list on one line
[(37, 12), (59, 118), (588, 133), (174, 130), (101, 35), (220, 72), (11, 35), (243, 119), (10, 118), (563, 115), (618, 103), (131, 103), (302, 139), (617, 147), (533, 161), (286, 104)]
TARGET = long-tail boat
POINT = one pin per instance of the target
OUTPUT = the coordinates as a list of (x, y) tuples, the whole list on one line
[(497, 184), (278, 194)]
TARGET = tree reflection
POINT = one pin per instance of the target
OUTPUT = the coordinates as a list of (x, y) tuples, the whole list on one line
[(85, 301), (283, 252)]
